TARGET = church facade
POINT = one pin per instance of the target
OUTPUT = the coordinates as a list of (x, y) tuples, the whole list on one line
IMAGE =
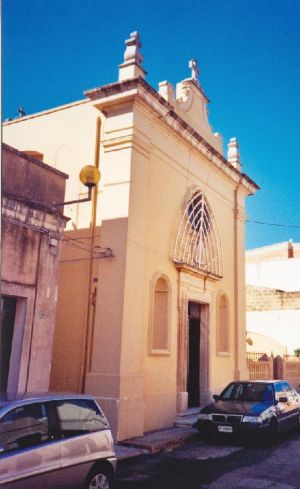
[(151, 307)]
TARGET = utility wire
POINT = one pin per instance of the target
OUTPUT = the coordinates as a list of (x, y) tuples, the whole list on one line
[(273, 224), (98, 250), (75, 244)]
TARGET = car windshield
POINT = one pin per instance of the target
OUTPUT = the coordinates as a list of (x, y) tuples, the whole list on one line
[(248, 391)]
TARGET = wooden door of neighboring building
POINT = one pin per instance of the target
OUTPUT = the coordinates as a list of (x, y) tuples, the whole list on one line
[(8, 313)]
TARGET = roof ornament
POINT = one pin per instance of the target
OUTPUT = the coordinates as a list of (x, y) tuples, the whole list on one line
[(195, 72), (21, 111), (233, 154), (132, 65), (132, 51)]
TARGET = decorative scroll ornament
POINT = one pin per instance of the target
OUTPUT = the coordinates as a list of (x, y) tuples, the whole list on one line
[(198, 243)]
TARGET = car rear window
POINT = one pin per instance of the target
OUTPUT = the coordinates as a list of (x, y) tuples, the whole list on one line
[(79, 416)]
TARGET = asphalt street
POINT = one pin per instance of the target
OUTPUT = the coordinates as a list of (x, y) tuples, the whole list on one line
[(218, 465)]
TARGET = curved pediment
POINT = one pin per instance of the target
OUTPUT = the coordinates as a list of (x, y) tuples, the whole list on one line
[(190, 103)]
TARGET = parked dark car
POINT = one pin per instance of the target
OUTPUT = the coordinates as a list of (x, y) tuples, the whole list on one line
[(250, 407), (55, 441)]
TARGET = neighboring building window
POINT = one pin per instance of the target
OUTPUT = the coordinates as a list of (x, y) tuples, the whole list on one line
[(222, 324), (160, 317)]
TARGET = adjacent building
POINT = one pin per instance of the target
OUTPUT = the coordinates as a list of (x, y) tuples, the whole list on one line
[(30, 244), (273, 298), (151, 306)]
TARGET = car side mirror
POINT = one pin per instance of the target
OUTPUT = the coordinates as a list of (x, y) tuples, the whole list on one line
[(216, 397), (283, 399)]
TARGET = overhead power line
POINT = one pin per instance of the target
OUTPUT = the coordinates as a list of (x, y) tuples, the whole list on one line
[(273, 224)]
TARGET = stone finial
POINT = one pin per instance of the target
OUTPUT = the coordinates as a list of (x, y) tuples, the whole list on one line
[(132, 51), (233, 155), (132, 66), (21, 111), (195, 72), (166, 90)]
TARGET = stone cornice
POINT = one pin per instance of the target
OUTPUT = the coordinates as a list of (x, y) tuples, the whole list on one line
[(58, 108), (197, 272), (139, 87), (28, 214)]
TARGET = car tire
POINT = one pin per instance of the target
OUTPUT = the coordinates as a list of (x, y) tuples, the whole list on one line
[(273, 431), (98, 478)]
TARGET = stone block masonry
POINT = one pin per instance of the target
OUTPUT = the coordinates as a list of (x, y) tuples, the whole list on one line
[(265, 299)]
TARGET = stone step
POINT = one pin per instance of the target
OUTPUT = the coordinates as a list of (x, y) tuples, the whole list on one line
[(162, 440), (189, 412)]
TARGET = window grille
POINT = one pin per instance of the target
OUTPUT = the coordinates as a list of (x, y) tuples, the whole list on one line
[(198, 241)]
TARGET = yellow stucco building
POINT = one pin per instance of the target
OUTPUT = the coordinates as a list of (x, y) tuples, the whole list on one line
[(151, 306)]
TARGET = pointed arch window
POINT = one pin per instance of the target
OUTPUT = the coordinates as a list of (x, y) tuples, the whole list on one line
[(198, 243)]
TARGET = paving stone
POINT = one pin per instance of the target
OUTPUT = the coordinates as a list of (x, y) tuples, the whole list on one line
[(205, 451), (250, 483)]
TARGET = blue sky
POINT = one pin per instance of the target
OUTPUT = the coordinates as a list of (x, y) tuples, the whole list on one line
[(249, 58)]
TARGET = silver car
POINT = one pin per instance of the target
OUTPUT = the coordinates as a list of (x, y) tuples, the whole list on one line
[(55, 441)]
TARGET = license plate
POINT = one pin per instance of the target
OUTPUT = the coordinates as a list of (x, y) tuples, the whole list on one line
[(225, 429)]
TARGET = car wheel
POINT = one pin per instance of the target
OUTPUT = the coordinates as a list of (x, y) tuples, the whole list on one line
[(98, 478), (273, 431)]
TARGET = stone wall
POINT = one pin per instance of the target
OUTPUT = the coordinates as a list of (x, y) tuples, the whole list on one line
[(31, 234), (30, 180), (265, 299)]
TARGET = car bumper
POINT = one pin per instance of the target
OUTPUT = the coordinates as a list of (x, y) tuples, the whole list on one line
[(113, 462), (208, 428)]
